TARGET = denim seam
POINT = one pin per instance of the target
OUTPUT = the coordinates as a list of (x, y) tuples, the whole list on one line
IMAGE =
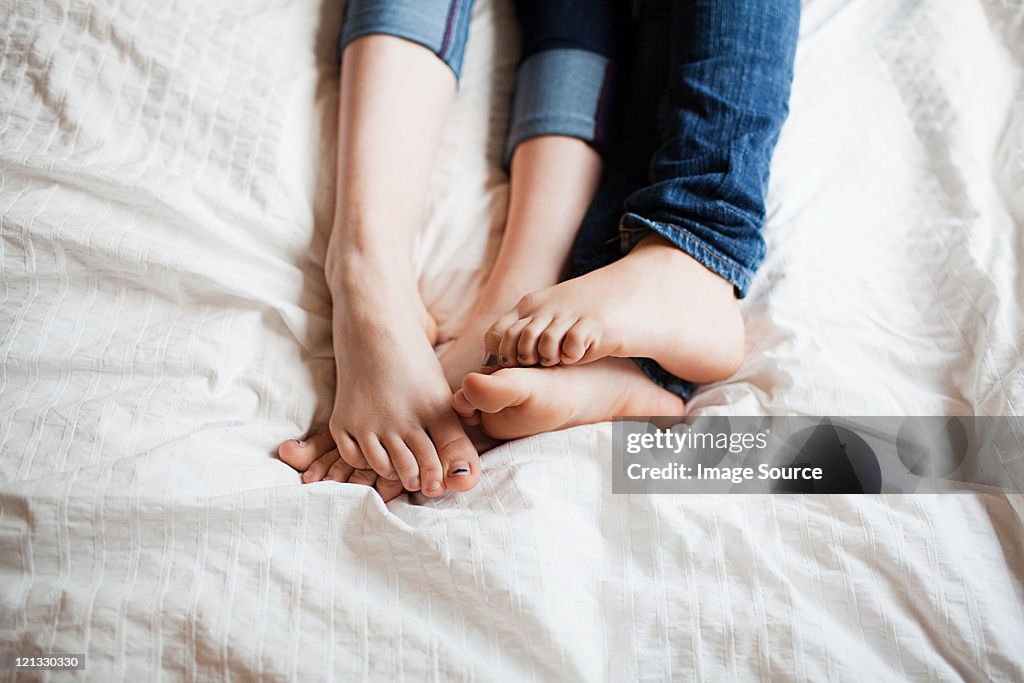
[(417, 39), (446, 41), (412, 32), (663, 378), (739, 276), (417, 18), (600, 115), (568, 118), (546, 121), (568, 125)]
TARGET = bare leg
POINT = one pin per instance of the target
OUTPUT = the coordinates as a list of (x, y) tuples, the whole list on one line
[(553, 180), (392, 409)]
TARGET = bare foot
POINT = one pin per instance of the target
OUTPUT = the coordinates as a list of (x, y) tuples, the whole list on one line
[(392, 410), (655, 302), (504, 287), (462, 357), (516, 402), (466, 352), (318, 460), (465, 355)]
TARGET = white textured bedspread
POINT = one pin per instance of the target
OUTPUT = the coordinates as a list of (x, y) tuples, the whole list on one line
[(165, 193)]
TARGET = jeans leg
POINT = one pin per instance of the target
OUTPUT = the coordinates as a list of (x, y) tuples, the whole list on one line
[(439, 25), (707, 95), (731, 66), (565, 79), (634, 140)]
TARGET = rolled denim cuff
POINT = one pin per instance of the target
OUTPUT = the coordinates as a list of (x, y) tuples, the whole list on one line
[(664, 379), (439, 25), (633, 228), (561, 92)]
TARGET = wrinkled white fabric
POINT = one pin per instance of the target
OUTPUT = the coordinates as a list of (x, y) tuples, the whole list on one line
[(165, 194)]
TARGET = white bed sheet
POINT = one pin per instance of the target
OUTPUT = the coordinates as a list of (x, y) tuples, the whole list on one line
[(165, 192)]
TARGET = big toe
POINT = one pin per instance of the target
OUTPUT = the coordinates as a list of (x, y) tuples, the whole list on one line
[(492, 393), (301, 454), (459, 459)]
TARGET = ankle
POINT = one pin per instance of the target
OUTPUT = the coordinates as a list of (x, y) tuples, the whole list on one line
[(644, 397), (346, 269), (356, 245), (506, 286), (658, 252)]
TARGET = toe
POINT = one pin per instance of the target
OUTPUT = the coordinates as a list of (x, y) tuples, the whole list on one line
[(376, 455), (319, 467), (576, 342), (388, 489), (508, 348), (301, 453), (491, 393), (459, 459), (461, 404), (340, 472), (430, 472), (404, 462), (365, 477), (526, 350), (350, 452), (549, 346), (495, 333), (464, 408)]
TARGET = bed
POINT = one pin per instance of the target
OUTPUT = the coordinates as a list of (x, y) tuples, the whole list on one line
[(165, 196)]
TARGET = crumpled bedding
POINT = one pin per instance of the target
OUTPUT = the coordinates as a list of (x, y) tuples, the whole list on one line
[(165, 196)]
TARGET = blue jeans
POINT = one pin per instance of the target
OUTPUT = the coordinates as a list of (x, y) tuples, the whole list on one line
[(687, 134), (703, 103)]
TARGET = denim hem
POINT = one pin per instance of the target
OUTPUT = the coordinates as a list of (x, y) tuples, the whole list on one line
[(438, 31), (633, 228), (570, 126), (665, 379), (561, 91), (425, 42)]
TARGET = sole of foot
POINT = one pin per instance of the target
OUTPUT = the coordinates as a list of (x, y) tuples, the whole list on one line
[(516, 402)]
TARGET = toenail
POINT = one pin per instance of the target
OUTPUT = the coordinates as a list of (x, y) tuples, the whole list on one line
[(459, 469), (504, 361), (414, 483), (489, 360), (522, 357), (298, 442), (433, 486)]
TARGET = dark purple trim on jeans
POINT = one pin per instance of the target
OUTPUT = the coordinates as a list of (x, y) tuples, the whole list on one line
[(602, 105), (453, 12)]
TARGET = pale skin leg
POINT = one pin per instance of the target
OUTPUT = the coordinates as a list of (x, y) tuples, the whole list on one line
[(392, 411), (553, 180)]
